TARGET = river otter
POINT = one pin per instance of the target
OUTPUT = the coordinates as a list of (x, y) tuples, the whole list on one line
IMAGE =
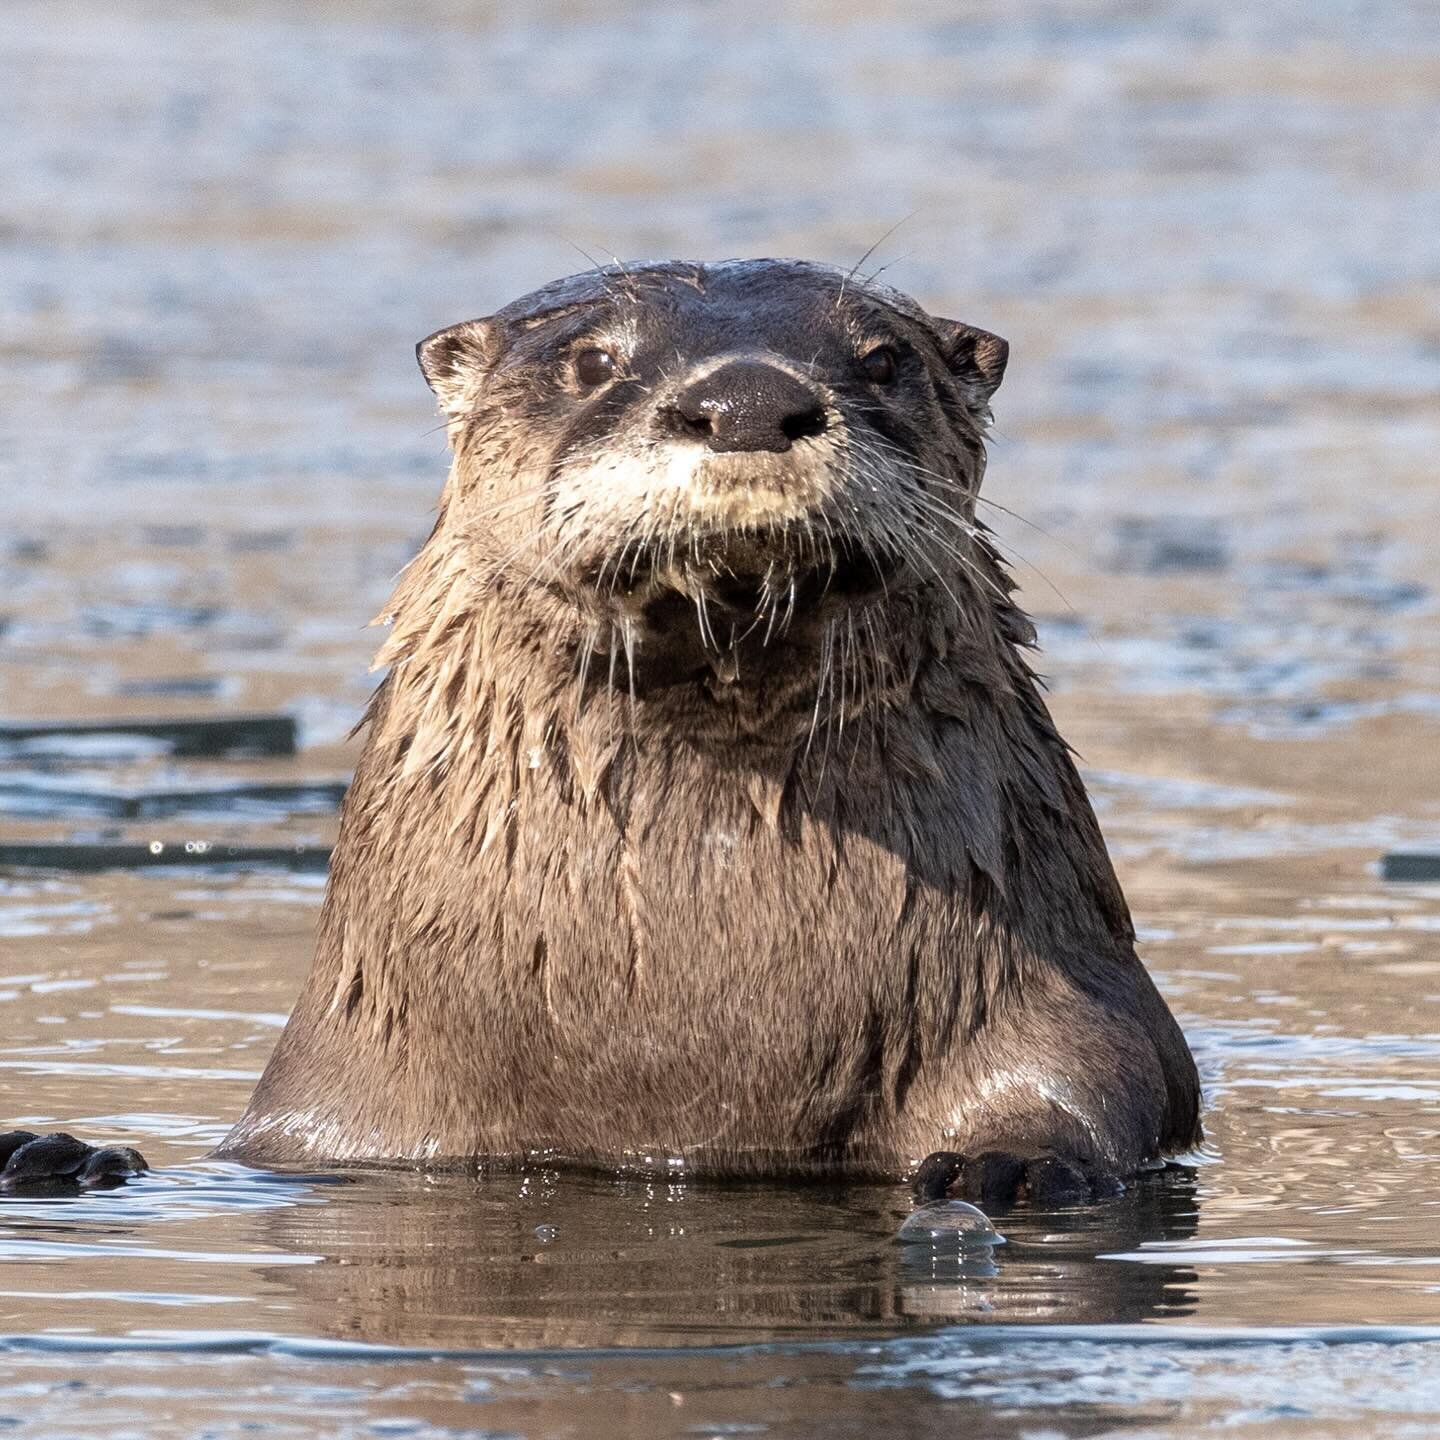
[(709, 818)]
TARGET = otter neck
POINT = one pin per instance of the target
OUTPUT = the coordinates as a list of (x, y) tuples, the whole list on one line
[(479, 753)]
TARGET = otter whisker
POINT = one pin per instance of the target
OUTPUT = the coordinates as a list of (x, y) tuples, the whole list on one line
[(500, 509), (769, 605), (921, 503), (880, 660), (822, 684), (976, 531), (611, 560), (907, 462), (938, 510), (789, 605), (645, 547), (558, 561), (847, 660), (876, 442), (627, 639), (505, 561), (616, 563), (966, 564), (707, 632), (855, 268), (585, 255), (587, 653), (610, 682), (879, 270), (925, 513), (867, 686), (637, 534), (1010, 549), (836, 682)]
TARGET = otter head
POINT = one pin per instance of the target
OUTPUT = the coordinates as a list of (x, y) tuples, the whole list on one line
[(737, 492)]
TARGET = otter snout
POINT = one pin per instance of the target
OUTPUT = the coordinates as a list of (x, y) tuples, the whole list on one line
[(747, 405)]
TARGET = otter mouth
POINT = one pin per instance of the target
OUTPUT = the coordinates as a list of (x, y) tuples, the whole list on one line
[(736, 615), (846, 575), (745, 578)]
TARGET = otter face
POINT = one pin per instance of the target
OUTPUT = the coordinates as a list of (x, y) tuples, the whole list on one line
[(720, 467)]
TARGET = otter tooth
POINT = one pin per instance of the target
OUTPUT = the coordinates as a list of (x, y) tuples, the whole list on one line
[(726, 666)]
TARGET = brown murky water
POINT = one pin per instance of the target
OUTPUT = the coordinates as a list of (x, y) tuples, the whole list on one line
[(1211, 233)]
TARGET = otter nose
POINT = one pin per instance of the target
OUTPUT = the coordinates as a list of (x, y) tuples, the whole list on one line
[(749, 405)]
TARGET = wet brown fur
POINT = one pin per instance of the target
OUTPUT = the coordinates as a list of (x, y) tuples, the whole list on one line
[(608, 923)]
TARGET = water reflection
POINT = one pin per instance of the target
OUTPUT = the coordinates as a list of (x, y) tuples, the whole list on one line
[(552, 1260)]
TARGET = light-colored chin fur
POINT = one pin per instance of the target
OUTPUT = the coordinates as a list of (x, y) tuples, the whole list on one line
[(675, 488)]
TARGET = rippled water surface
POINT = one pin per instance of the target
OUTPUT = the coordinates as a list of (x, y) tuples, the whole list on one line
[(1212, 235)]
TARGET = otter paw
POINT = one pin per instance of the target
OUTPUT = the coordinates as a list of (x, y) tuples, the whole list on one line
[(59, 1164), (996, 1179)]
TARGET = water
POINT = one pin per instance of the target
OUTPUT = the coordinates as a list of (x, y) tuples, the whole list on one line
[(1210, 233)]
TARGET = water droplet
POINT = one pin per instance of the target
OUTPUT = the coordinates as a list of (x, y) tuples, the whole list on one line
[(669, 1163), (951, 1224)]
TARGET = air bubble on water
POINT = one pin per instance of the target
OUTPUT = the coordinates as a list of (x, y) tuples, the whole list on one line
[(949, 1224)]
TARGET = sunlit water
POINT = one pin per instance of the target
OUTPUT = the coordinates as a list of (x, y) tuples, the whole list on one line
[(1212, 234)]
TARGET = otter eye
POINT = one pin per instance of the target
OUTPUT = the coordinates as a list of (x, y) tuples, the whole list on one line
[(594, 367), (879, 365)]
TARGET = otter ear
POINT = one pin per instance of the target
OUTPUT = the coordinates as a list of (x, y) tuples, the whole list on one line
[(976, 357), (452, 358)]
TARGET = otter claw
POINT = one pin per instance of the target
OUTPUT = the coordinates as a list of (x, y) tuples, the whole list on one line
[(996, 1179), (59, 1163)]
